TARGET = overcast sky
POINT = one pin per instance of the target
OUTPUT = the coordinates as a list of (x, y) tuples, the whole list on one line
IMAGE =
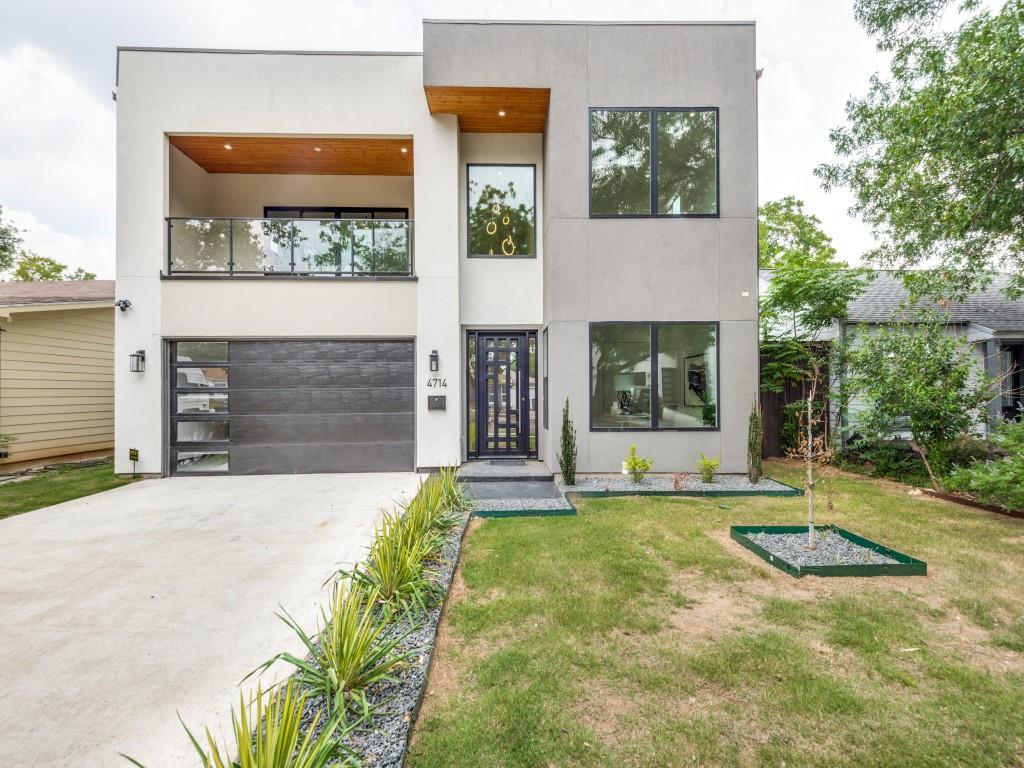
[(57, 73)]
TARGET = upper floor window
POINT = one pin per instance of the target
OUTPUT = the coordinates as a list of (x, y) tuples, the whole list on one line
[(654, 162), (502, 213)]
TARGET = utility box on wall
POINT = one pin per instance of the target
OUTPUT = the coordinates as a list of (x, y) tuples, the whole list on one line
[(437, 403)]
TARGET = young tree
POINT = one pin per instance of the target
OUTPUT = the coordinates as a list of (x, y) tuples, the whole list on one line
[(802, 303), (924, 374), (934, 153), (755, 437), (786, 233)]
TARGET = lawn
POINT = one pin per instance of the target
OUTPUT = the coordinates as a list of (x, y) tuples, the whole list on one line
[(57, 485), (638, 634)]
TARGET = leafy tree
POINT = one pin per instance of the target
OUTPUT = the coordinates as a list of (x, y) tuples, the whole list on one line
[(934, 154), (787, 234), (31, 266), (10, 242), (802, 303), (923, 374)]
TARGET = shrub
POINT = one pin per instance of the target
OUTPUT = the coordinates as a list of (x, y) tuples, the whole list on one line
[(351, 650), (707, 465), (637, 466), (270, 735), (567, 454), (894, 460), (755, 436), (395, 565), (999, 481), (455, 496)]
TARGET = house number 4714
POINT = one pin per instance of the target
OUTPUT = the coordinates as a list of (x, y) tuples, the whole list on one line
[(437, 383)]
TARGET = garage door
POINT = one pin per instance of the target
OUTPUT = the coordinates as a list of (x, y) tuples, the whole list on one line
[(264, 407)]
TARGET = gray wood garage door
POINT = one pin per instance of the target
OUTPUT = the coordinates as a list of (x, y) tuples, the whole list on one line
[(263, 407)]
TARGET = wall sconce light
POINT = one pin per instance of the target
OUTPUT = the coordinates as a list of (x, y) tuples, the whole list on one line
[(137, 361), (433, 361), (122, 304)]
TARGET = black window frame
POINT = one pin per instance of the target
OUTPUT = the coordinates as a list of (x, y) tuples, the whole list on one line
[(653, 112), (654, 325), (196, 446), (533, 255)]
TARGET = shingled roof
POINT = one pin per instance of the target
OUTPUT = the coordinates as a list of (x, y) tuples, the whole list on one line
[(16, 294), (881, 303)]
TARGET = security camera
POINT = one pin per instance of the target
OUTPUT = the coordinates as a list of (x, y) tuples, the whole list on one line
[(122, 304)]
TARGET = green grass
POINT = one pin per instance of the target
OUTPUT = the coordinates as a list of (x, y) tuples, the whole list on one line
[(57, 485), (638, 634)]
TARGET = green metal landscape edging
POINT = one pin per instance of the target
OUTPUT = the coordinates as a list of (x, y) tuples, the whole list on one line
[(790, 491), (904, 566), (499, 513)]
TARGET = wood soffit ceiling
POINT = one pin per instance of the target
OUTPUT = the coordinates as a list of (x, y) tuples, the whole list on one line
[(278, 154), (479, 109)]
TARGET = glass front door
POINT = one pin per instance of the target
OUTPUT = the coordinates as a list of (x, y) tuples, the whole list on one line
[(502, 394)]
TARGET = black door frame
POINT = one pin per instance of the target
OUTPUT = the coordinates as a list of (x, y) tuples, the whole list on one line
[(527, 428)]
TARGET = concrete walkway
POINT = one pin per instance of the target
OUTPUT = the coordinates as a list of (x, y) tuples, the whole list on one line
[(119, 609)]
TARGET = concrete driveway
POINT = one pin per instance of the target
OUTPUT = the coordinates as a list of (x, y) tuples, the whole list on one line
[(119, 609)]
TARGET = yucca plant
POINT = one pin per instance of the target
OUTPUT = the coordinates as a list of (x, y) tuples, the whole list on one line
[(425, 515), (455, 493), (270, 735), (395, 565), (350, 651)]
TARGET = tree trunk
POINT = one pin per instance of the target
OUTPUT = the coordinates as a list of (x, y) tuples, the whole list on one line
[(937, 484), (811, 544)]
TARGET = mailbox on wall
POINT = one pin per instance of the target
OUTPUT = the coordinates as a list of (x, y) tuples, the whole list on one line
[(436, 403)]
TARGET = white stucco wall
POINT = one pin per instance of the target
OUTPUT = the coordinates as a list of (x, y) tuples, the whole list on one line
[(166, 92)]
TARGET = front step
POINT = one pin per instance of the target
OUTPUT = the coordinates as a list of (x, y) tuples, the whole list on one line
[(518, 498), (505, 471)]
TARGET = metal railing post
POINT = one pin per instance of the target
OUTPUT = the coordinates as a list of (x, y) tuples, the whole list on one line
[(231, 246)]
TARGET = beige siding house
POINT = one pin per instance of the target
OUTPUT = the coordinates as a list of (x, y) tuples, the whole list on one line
[(56, 368)]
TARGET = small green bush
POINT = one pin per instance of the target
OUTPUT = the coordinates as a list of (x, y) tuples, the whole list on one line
[(637, 466), (567, 454), (998, 481), (755, 439), (707, 465)]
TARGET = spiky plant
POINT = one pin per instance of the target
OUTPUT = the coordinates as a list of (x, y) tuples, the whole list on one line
[(350, 652), (567, 454), (269, 734)]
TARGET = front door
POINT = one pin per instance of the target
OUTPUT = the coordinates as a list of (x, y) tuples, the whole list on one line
[(503, 405)]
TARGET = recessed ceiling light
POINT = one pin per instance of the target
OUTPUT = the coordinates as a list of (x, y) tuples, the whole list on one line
[(227, 146), (501, 113), (317, 149), (405, 150)]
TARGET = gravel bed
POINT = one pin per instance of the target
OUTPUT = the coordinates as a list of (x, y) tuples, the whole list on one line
[(382, 741), (512, 505), (830, 549), (662, 483)]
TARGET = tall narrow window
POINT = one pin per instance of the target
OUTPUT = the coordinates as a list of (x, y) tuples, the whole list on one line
[(502, 214), (654, 162), (620, 162)]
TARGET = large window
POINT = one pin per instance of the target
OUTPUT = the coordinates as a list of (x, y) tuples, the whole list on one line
[(654, 162), (653, 376), (502, 212)]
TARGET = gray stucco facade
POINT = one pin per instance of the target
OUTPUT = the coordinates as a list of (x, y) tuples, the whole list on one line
[(631, 269)]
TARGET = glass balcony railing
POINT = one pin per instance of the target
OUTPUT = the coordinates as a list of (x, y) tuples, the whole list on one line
[(329, 247)]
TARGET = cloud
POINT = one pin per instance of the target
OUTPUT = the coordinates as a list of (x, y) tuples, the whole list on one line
[(56, 158), (94, 254)]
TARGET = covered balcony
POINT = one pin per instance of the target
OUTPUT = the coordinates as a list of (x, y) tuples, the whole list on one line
[(289, 207)]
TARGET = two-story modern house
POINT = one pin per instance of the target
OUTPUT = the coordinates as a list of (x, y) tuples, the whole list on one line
[(370, 261)]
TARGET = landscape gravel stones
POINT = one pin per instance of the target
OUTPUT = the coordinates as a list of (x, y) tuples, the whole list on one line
[(383, 740), (662, 483), (830, 549)]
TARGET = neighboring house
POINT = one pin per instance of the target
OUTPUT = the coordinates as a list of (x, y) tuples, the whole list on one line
[(585, 203), (56, 368), (989, 322)]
